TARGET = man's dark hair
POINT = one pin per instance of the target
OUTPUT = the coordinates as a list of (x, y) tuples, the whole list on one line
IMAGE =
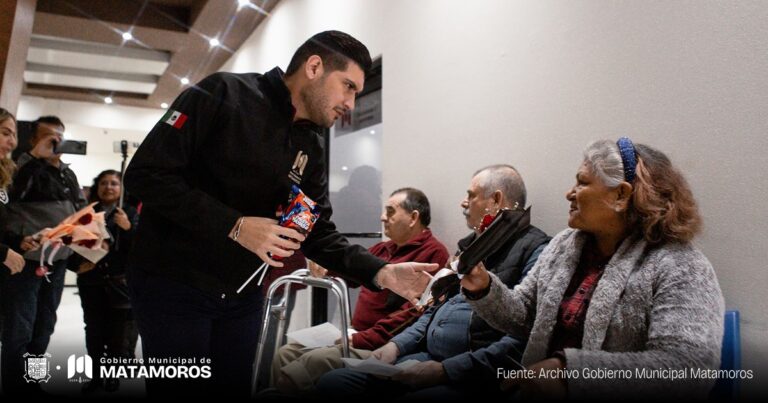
[(49, 120), (335, 48), (416, 200)]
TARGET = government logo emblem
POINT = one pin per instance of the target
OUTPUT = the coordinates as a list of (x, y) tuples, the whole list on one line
[(37, 368)]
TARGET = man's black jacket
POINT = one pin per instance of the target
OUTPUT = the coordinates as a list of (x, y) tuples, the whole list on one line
[(227, 148)]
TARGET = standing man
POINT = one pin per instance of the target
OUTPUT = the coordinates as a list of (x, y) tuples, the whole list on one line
[(44, 192), (210, 175)]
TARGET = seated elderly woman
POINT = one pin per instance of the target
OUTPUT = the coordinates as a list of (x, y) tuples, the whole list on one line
[(622, 302)]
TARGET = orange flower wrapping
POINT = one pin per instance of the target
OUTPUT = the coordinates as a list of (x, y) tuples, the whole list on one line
[(83, 232)]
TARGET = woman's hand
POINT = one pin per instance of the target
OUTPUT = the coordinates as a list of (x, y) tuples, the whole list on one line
[(121, 219), (477, 279)]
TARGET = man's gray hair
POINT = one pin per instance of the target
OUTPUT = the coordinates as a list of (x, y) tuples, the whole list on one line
[(604, 159), (505, 178)]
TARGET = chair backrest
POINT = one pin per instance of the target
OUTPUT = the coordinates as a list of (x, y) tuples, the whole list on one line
[(728, 389)]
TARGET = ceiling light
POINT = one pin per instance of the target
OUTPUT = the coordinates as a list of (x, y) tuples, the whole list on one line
[(344, 168), (243, 3), (373, 131), (127, 36), (164, 105), (214, 42), (108, 100), (184, 81)]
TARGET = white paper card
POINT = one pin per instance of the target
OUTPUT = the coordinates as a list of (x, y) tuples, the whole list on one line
[(427, 295), (323, 335)]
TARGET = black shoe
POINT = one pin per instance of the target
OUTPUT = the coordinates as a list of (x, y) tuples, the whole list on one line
[(111, 385), (91, 386)]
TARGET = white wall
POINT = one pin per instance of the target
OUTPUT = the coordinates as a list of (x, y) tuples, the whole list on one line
[(532, 82), (98, 124)]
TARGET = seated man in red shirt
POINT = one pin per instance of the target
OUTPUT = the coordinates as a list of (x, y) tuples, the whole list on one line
[(378, 315)]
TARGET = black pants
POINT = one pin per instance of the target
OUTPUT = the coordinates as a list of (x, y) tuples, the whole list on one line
[(29, 310), (179, 321), (109, 325)]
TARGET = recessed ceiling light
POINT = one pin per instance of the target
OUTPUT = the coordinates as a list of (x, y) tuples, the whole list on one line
[(214, 42), (184, 81), (108, 100), (164, 105), (344, 168), (127, 36), (373, 131)]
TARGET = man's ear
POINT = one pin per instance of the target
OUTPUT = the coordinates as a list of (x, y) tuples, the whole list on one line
[(313, 68), (498, 198), (623, 196), (414, 218)]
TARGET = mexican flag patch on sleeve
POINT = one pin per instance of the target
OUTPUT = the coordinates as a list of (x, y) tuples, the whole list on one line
[(174, 118)]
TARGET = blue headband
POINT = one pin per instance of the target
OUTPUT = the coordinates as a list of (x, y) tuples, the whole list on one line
[(628, 158)]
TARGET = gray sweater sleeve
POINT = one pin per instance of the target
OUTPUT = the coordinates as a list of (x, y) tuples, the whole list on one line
[(685, 332), (511, 311)]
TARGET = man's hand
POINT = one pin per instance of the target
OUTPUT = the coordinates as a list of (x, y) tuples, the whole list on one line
[(262, 235), (29, 243), (549, 387), (45, 146), (407, 280), (387, 353), (477, 279), (14, 262), (423, 375), (338, 341), (121, 219), (316, 270)]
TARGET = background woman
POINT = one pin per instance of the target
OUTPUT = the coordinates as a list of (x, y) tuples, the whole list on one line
[(109, 326), (8, 142)]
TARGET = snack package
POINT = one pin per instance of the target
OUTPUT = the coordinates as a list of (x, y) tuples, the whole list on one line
[(301, 213)]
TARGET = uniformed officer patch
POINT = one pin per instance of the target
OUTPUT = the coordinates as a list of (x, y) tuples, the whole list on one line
[(174, 118), (3, 196)]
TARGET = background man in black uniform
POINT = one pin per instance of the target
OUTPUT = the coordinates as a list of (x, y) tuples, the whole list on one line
[(211, 174)]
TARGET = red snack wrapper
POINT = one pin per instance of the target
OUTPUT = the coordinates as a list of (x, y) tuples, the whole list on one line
[(301, 213)]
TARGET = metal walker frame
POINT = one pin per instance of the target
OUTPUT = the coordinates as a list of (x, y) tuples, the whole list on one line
[(301, 276)]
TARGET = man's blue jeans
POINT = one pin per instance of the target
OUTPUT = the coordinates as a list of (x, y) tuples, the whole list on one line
[(348, 383), (179, 321)]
